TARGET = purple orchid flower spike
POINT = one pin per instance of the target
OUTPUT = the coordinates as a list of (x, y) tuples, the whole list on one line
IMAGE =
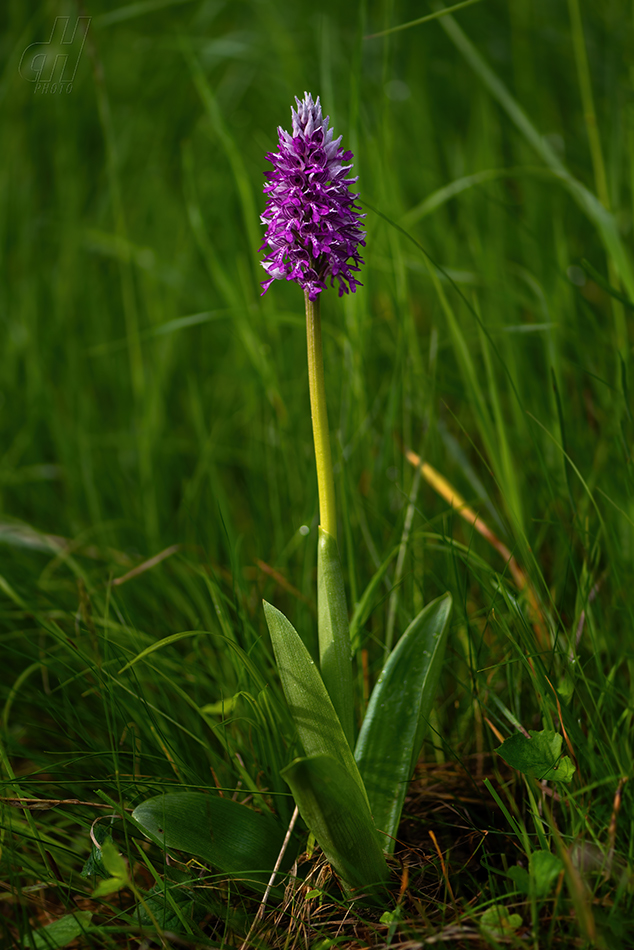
[(313, 225)]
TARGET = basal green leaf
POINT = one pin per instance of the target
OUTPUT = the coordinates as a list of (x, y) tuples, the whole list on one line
[(394, 726), (337, 813), (230, 837), (335, 658), (61, 932), (317, 723), (539, 756)]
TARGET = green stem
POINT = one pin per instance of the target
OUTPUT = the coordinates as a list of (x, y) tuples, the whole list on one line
[(319, 413), (332, 614)]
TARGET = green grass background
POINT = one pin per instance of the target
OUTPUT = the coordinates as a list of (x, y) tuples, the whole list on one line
[(150, 397)]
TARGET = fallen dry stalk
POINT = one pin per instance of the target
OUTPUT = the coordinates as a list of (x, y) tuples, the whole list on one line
[(440, 485)]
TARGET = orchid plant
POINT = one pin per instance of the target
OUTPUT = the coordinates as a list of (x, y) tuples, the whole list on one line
[(349, 789)]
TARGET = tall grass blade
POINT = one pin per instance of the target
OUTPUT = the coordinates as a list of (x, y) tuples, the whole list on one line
[(587, 201)]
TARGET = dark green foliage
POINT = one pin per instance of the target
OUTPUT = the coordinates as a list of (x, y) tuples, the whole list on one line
[(538, 754), (230, 837), (194, 902), (94, 866)]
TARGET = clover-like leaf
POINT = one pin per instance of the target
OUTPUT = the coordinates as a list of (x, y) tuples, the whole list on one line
[(539, 756), (498, 922)]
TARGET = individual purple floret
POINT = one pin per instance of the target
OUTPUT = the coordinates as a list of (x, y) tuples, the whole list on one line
[(313, 225)]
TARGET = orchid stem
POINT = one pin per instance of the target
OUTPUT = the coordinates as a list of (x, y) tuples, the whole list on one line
[(319, 414)]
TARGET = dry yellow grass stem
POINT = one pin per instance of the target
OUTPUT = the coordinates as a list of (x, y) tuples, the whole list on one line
[(443, 866), (440, 485)]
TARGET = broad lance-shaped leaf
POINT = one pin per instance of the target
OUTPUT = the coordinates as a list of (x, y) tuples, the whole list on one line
[(335, 658), (337, 813), (317, 723), (229, 836), (394, 726)]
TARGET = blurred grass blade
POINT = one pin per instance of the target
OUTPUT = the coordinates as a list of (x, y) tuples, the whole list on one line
[(243, 179), (317, 723), (423, 19), (587, 201), (504, 472), (132, 10), (589, 113), (394, 726), (334, 632), (229, 836), (229, 287), (331, 804), (244, 659), (363, 608), (606, 285), (440, 197)]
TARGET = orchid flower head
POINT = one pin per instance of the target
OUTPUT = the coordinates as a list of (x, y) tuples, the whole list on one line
[(313, 226)]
